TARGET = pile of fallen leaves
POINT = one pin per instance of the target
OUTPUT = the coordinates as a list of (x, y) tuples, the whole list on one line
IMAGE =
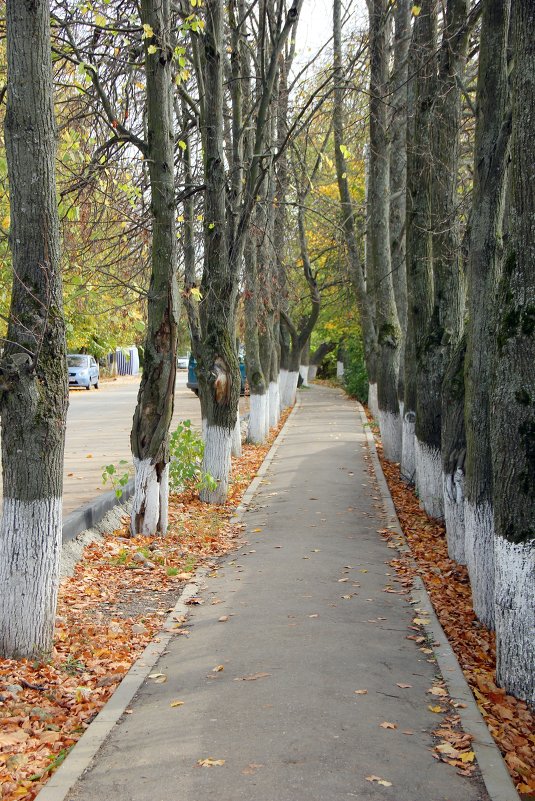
[(108, 611), (509, 720)]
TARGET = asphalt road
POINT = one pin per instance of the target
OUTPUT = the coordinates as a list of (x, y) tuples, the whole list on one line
[(98, 433)]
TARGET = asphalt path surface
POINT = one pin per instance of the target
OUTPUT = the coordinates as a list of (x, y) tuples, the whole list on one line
[(98, 433)]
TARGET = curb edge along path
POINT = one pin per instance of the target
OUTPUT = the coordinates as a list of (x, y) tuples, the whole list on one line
[(494, 772), (87, 747)]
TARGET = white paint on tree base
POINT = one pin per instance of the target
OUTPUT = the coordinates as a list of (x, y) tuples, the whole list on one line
[(515, 617), (164, 501), (146, 499), (274, 404), (216, 462), (204, 426), (30, 555), (408, 459), (479, 552), (429, 478), (454, 514), (258, 417), (339, 370), (303, 372), (391, 434), (290, 389), (236, 449), (312, 371), (373, 404), (283, 377)]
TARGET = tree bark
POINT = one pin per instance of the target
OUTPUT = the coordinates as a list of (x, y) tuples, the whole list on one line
[(445, 324), (513, 398), (154, 410), (386, 317), (418, 237), (483, 274), (398, 174), (33, 368)]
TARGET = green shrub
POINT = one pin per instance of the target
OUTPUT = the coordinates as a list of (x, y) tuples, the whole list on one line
[(186, 448), (355, 374)]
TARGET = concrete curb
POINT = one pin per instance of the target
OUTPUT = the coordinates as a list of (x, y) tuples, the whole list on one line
[(494, 773), (87, 747), (90, 514)]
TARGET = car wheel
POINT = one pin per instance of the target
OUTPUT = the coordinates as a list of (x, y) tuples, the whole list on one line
[(96, 384), (88, 387)]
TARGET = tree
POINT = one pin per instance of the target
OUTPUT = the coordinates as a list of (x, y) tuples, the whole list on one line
[(512, 422), (387, 326), (33, 368), (154, 410), (483, 274)]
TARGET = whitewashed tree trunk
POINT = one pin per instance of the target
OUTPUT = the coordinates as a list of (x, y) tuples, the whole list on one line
[(339, 370), (479, 551), (312, 372), (303, 372), (236, 449), (373, 406), (30, 553), (391, 428), (258, 411), (216, 462), (515, 617), (428, 464), (408, 458), (274, 403), (290, 389), (453, 487), (150, 493), (283, 377), (33, 365)]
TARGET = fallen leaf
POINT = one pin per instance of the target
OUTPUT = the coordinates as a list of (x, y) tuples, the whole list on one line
[(210, 763), (253, 677), (361, 692), (467, 756), (447, 749), (13, 737), (177, 703), (440, 691), (251, 769), (387, 725), (378, 780), (256, 530), (436, 709), (420, 621), (223, 619), (403, 686), (218, 669), (313, 615)]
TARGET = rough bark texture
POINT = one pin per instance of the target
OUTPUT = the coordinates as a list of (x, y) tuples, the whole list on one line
[(356, 270), (454, 452), (483, 273), (218, 369), (445, 324), (398, 170), (513, 398), (386, 318), (418, 235), (154, 410), (33, 368)]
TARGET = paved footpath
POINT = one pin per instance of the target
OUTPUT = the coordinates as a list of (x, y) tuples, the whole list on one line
[(308, 624)]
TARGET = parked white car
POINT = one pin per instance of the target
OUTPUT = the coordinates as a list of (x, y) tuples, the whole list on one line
[(83, 370)]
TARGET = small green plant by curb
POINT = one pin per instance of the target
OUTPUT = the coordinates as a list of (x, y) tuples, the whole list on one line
[(112, 473), (186, 447)]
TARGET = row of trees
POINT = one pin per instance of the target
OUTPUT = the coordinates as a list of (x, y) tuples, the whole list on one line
[(446, 304), (254, 179)]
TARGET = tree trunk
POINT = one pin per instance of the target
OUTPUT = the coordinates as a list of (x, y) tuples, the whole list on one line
[(218, 369), (154, 410), (356, 270), (386, 318), (513, 398), (304, 363), (398, 174), (484, 270), (258, 411), (445, 324), (418, 241), (33, 368)]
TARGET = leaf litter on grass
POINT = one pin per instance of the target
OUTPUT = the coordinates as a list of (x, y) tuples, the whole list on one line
[(108, 611)]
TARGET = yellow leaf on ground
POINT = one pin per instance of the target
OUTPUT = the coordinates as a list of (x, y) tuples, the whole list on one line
[(210, 763), (387, 725), (378, 780), (361, 692), (177, 703)]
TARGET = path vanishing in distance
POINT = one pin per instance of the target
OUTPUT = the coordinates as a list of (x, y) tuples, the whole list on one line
[(308, 624)]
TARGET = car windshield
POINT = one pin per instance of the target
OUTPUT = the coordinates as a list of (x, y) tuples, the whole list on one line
[(77, 361)]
